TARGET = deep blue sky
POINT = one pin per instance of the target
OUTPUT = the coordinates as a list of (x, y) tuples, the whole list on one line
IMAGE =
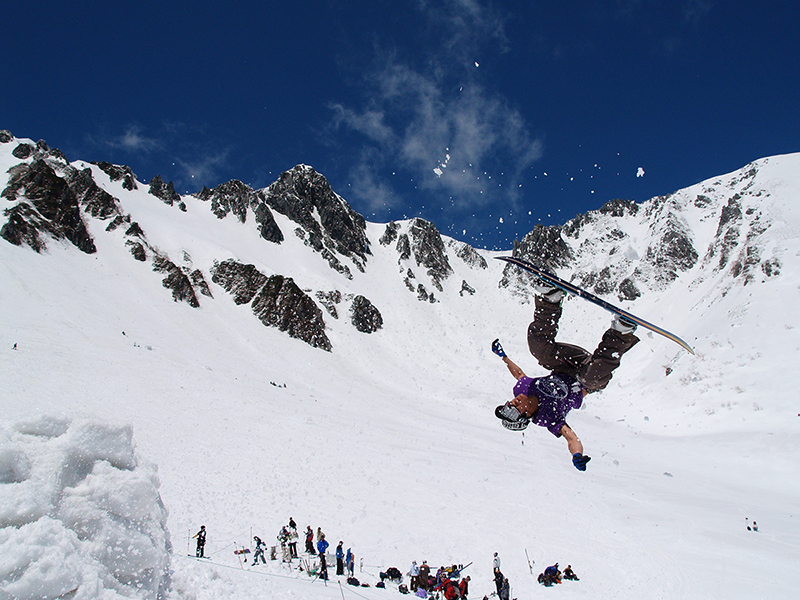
[(545, 109)]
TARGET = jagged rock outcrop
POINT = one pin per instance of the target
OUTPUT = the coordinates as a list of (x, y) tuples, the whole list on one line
[(389, 234), (466, 288), (6, 136), (329, 224), (543, 246), (427, 248), (49, 206), (117, 172), (468, 254), (282, 304), (95, 200), (364, 316), (243, 282), (235, 197), (165, 192), (329, 301), (176, 280), (276, 301)]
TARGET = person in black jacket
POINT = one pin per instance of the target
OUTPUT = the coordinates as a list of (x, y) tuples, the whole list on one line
[(201, 541)]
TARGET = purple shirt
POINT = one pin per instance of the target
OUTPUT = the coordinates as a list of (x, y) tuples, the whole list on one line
[(557, 393)]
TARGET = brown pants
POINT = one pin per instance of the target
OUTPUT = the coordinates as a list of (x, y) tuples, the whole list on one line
[(592, 370)]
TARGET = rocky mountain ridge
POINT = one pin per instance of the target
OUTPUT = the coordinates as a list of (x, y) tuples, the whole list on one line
[(622, 251)]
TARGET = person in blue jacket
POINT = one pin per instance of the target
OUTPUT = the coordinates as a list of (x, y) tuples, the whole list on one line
[(340, 558), (322, 547)]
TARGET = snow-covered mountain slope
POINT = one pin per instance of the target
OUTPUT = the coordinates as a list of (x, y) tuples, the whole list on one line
[(388, 441)]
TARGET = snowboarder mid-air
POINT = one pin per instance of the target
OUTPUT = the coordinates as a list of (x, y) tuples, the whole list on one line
[(574, 372)]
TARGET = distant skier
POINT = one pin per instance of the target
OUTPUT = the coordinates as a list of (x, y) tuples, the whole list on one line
[(201, 542), (545, 401)]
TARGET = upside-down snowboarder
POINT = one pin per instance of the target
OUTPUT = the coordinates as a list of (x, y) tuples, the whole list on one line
[(574, 372)]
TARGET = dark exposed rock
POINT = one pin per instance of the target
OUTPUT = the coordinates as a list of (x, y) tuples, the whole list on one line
[(619, 208), (627, 290), (466, 289), (545, 247), (6, 136), (96, 201), (469, 255), (231, 197), (24, 226), (242, 281), (176, 280), (137, 250), (117, 172), (329, 300), (282, 304), (199, 282), (389, 234), (164, 191), (403, 247), (57, 211), (365, 317), (268, 227), (428, 250), (670, 252), (307, 198), (22, 151)]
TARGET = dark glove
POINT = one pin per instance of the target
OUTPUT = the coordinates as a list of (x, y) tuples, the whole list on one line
[(580, 460), (498, 349)]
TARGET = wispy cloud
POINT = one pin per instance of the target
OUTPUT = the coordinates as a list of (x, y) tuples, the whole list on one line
[(202, 168), (435, 120)]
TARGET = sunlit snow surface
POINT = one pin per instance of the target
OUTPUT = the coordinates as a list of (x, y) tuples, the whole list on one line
[(389, 442)]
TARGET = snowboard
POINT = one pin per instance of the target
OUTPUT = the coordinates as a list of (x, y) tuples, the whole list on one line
[(576, 291)]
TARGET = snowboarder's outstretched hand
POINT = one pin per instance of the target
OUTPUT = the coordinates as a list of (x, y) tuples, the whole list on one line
[(498, 349), (580, 460)]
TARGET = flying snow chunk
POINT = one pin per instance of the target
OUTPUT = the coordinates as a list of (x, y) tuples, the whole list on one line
[(477, 65), (438, 172), (640, 172)]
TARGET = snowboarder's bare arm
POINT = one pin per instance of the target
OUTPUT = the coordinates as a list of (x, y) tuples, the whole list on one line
[(573, 443), (513, 368)]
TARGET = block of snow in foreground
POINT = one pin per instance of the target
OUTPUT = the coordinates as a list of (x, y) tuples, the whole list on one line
[(80, 514)]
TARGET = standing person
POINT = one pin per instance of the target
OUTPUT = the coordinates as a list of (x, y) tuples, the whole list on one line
[(259, 551), (413, 574), (322, 547), (320, 535), (350, 561), (292, 524), (498, 580), (496, 562), (283, 538), (464, 587), (201, 542), (505, 590), (545, 401), (292, 538), (424, 576), (340, 558), (310, 541)]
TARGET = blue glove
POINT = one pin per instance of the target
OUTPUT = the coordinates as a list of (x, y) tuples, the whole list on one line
[(579, 460), (498, 349)]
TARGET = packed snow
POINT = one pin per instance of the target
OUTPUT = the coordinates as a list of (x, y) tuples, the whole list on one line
[(129, 420)]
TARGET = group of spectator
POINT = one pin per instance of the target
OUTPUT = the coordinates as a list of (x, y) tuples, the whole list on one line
[(446, 581)]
